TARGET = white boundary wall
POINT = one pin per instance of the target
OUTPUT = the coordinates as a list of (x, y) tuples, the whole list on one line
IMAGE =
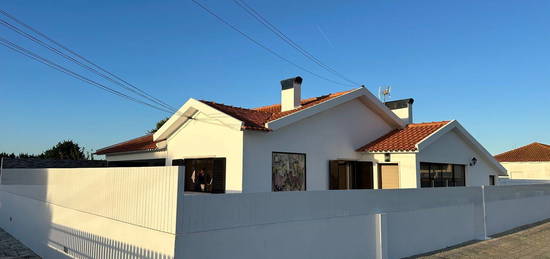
[(329, 224), (140, 212), (93, 212), (352, 224)]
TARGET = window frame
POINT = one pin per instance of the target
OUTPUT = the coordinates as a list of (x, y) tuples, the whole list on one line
[(351, 176), (436, 171), (191, 163), (305, 169)]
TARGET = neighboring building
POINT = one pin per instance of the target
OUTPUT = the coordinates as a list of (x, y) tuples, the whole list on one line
[(528, 162), (345, 140)]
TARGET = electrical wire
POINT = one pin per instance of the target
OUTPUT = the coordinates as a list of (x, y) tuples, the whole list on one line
[(220, 19), (111, 76), (252, 12), (62, 69)]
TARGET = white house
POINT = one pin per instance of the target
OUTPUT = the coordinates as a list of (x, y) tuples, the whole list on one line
[(530, 162), (345, 140)]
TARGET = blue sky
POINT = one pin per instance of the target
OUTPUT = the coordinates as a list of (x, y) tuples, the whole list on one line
[(483, 63)]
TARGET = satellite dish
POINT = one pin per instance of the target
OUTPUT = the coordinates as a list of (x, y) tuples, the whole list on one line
[(384, 93)]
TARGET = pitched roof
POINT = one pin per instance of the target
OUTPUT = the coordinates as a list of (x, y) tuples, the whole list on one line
[(403, 139), (256, 118), (142, 143), (534, 152), (253, 119)]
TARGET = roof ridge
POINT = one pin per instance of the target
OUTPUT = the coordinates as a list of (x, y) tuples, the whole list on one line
[(232, 106), (435, 123), (310, 99), (515, 149)]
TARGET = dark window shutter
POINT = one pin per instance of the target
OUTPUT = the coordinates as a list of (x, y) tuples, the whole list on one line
[(189, 167), (218, 176), (363, 175), (333, 175)]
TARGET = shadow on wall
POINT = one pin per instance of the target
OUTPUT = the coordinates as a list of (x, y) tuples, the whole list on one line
[(22, 212), (41, 209), (83, 244), (16, 211)]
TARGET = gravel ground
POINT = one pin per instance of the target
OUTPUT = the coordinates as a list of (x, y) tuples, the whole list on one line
[(12, 248)]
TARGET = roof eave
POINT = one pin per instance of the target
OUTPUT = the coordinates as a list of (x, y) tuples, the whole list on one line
[(133, 151)]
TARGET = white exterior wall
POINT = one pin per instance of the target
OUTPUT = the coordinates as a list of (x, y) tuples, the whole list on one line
[(454, 149), (212, 135), (330, 135), (528, 170)]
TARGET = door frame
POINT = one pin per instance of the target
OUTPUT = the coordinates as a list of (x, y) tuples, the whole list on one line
[(380, 173)]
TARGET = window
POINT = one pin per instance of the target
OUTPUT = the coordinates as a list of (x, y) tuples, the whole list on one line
[(344, 175), (442, 175), (203, 175), (492, 180), (288, 172)]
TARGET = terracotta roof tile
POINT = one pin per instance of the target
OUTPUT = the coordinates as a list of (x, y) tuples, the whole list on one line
[(403, 139), (534, 152), (256, 118), (252, 119), (138, 144)]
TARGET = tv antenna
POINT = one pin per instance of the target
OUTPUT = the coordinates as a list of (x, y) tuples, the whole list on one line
[(384, 92)]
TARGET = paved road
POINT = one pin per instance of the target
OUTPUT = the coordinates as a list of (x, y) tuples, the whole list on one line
[(529, 242), (12, 248)]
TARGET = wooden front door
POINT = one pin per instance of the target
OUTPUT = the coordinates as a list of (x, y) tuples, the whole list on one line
[(388, 176)]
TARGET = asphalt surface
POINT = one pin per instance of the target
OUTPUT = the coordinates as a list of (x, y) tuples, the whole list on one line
[(532, 241)]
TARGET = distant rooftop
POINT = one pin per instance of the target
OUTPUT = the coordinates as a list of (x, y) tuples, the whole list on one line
[(534, 152)]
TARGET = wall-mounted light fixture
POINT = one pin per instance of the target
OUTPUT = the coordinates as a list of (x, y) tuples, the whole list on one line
[(387, 157), (473, 161)]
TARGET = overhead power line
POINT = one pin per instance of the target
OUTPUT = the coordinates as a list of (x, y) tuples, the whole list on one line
[(56, 51), (233, 27), (62, 69), (109, 76), (252, 12)]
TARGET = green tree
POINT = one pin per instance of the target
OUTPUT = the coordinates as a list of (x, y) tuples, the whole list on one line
[(65, 150), (159, 124), (6, 155)]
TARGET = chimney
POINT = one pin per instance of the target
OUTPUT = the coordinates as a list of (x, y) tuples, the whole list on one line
[(403, 109), (291, 93)]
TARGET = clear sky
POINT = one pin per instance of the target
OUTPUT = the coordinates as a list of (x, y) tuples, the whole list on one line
[(483, 63)]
